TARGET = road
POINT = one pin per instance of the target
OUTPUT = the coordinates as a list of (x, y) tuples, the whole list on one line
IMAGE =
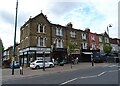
[(107, 74)]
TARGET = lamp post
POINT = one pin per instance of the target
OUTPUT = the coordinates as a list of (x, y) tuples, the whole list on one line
[(14, 39), (108, 28)]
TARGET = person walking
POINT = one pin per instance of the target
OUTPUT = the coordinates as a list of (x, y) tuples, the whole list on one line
[(77, 60)]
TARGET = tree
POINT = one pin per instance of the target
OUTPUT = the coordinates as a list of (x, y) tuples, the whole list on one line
[(71, 47), (107, 48)]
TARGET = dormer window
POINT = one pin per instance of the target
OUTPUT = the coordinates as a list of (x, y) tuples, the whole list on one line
[(41, 28), (72, 34)]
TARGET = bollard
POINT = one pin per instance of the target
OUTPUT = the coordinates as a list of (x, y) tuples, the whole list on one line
[(92, 63), (21, 70), (92, 60)]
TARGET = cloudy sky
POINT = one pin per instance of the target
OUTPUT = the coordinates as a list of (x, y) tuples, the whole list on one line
[(93, 14)]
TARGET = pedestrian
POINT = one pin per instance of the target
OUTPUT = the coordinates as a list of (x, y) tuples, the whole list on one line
[(77, 60), (21, 70), (53, 60)]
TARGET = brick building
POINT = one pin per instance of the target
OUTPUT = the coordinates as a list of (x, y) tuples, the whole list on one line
[(115, 43), (38, 35)]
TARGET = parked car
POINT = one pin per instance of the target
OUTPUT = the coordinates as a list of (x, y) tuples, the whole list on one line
[(37, 64), (16, 64)]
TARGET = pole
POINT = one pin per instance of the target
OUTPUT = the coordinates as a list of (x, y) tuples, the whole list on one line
[(108, 30), (43, 61), (71, 60), (92, 60), (15, 37)]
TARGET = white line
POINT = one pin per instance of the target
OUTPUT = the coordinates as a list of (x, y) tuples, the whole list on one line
[(113, 66), (112, 70), (68, 81), (101, 73), (105, 65), (88, 77)]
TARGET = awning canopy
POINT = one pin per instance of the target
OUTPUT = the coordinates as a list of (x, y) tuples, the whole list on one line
[(87, 52)]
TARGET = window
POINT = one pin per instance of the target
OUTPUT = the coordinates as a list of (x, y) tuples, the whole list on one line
[(92, 38), (59, 43), (100, 39), (39, 62), (59, 31), (106, 40), (41, 41), (93, 45), (41, 28), (84, 45), (72, 34), (83, 36)]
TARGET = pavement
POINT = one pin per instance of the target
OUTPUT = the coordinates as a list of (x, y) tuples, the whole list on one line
[(27, 72)]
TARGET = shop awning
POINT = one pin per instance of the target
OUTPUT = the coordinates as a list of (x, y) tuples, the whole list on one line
[(87, 52)]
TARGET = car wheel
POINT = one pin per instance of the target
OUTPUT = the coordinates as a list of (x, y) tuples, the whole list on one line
[(51, 66), (37, 67)]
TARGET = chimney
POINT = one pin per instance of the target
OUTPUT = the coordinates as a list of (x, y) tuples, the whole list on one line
[(69, 25), (87, 30)]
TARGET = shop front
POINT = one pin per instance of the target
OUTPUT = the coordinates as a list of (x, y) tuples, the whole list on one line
[(59, 54), (30, 54)]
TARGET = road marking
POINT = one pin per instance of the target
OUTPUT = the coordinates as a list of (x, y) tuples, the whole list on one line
[(88, 77), (68, 81), (112, 65), (112, 70), (101, 73), (105, 65)]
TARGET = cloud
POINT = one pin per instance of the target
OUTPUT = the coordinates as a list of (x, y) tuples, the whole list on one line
[(7, 17), (60, 8), (95, 14)]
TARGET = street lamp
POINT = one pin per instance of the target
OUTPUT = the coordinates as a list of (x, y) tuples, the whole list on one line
[(13, 58), (108, 28)]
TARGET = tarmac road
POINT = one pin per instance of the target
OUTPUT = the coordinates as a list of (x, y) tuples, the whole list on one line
[(105, 74)]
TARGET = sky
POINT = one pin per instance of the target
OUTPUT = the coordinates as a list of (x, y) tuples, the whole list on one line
[(93, 14)]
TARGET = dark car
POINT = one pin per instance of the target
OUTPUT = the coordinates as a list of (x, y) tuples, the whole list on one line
[(16, 64)]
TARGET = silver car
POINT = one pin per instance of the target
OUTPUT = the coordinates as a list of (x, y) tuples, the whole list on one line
[(37, 64)]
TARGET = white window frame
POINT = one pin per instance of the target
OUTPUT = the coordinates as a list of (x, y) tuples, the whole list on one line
[(84, 45), (83, 36), (39, 29), (100, 39), (72, 34), (59, 31), (41, 41), (59, 43), (92, 38), (93, 45)]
